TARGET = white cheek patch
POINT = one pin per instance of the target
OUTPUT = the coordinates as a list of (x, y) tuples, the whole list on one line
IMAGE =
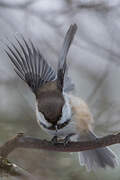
[(66, 114), (41, 118), (66, 111)]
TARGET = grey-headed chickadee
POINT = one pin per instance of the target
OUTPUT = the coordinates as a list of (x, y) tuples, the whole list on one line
[(58, 112)]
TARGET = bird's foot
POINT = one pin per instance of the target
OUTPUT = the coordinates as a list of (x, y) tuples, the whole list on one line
[(54, 140), (67, 139)]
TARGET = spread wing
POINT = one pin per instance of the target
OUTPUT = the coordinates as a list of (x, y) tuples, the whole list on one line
[(30, 65), (63, 81)]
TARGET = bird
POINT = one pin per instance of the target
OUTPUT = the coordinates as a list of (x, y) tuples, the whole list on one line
[(58, 112)]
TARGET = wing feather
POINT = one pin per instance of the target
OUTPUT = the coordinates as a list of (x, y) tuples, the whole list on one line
[(62, 65), (30, 65)]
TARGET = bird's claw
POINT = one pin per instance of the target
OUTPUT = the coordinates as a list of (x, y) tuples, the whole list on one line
[(66, 140), (54, 140)]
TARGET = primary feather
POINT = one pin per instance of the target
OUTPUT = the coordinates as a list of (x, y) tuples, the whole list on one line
[(62, 75), (30, 65)]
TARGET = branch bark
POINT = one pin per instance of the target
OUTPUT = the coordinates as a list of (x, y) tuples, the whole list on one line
[(21, 141), (6, 167)]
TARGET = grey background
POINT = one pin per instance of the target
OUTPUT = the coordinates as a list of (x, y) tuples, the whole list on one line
[(94, 64)]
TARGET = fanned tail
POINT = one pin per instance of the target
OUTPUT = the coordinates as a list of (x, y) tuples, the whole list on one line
[(98, 158)]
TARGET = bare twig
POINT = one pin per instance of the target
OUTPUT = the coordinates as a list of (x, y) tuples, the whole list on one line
[(95, 4), (22, 5), (21, 141)]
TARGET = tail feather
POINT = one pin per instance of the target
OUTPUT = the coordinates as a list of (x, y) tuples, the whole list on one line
[(30, 65), (98, 158)]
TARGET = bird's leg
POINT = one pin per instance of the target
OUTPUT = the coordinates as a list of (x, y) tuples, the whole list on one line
[(67, 139), (55, 138)]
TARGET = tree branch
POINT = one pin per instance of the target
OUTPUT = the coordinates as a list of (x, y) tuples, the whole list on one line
[(6, 167), (95, 3), (21, 141), (20, 5)]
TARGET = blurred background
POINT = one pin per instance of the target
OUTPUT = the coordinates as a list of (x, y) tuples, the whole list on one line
[(94, 66)]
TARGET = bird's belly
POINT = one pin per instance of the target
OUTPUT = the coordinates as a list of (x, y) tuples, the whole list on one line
[(63, 132)]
